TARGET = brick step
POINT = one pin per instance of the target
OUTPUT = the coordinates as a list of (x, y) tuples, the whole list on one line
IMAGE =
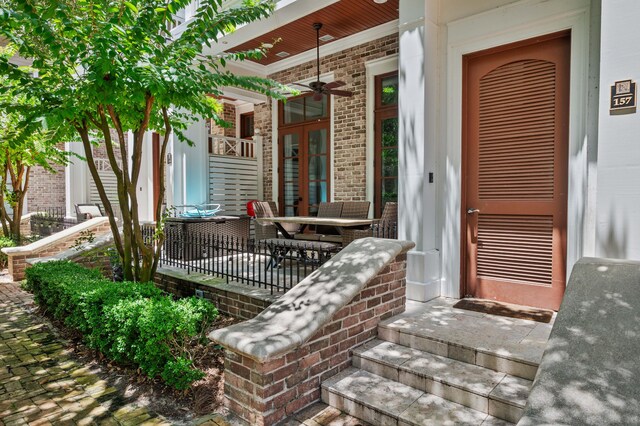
[(512, 349), (381, 401), (482, 389)]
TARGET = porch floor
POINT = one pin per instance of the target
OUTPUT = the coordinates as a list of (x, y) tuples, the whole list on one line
[(437, 319)]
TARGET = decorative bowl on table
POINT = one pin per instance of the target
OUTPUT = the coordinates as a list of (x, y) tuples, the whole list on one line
[(199, 210)]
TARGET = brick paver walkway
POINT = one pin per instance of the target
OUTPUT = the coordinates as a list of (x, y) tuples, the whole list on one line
[(41, 383)]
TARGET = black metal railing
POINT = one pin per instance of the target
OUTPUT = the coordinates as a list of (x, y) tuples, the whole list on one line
[(273, 264), (276, 265), (48, 221)]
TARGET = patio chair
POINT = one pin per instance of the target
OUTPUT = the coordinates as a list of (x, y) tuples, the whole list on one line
[(325, 209), (385, 227), (267, 230), (355, 209), (88, 211)]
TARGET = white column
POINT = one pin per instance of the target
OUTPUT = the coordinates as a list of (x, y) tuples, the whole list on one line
[(418, 100), (145, 182), (77, 178), (191, 166), (618, 190)]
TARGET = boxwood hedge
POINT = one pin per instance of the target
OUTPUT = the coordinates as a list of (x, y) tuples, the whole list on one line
[(126, 321)]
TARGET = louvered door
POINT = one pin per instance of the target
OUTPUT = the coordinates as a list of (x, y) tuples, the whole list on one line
[(515, 151)]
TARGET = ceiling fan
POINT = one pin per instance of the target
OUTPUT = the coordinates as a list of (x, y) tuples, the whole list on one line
[(319, 88)]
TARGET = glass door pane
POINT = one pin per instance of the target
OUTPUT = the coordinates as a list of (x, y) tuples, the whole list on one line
[(318, 164), (386, 158), (291, 174), (389, 163)]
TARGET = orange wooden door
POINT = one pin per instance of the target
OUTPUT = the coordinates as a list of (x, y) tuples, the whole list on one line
[(515, 150)]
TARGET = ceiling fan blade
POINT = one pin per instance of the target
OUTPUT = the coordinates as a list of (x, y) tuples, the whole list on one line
[(334, 84), (339, 92), (302, 85), (317, 96)]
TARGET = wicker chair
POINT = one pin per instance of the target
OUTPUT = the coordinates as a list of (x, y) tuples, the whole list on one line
[(331, 210), (385, 227), (327, 210), (355, 209), (88, 211), (266, 230)]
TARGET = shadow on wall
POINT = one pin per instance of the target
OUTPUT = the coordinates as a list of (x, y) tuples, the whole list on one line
[(613, 244), (590, 370), (411, 141)]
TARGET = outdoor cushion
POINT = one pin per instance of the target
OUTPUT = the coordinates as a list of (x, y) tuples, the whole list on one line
[(89, 211)]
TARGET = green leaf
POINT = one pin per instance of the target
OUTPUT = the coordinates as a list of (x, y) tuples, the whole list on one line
[(131, 7)]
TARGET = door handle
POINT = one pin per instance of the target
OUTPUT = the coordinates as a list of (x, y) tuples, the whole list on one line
[(474, 225)]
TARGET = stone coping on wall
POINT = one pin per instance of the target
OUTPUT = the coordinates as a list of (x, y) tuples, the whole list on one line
[(219, 284), (51, 240), (101, 241), (300, 313), (589, 371)]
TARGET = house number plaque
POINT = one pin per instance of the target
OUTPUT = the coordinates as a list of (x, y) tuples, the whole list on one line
[(623, 97)]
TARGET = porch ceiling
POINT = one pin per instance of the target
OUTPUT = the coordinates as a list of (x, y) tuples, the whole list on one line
[(341, 19)]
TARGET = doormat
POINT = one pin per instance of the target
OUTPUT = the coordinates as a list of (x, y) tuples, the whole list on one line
[(505, 310)]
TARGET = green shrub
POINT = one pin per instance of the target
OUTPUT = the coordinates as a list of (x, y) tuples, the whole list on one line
[(127, 322), (5, 242)]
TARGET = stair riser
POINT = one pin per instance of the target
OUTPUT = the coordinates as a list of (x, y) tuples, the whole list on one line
[(504, 411), (460, 353), (464, 397), (355, 409)]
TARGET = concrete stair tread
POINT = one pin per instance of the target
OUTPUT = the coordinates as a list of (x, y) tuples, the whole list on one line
[(509, 345), (389, 397), (510, 338), (528, 351), (467, 377), (368, 395)]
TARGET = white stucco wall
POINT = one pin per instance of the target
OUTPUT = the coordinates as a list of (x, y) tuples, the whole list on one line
[(618, 188)]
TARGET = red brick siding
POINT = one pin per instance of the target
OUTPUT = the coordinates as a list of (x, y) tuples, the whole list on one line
[(237, 305), (228, 115), (46, 189), (349, 115)]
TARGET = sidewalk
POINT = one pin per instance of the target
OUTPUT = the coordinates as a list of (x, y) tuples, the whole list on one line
[(40, 382)]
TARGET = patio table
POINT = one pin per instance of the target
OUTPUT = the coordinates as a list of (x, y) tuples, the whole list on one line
[(339, 223)]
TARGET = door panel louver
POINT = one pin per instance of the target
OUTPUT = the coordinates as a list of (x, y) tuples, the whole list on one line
[(517, 131), (515, 248)]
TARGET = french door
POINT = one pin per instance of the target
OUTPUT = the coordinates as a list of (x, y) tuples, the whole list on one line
[(304, 168), (515, 176)]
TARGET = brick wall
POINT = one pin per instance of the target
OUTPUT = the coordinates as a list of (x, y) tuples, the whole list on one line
[(96, 258), (46, 189), (18, 261), (263, 393), (239, 301), (262, 122), (228, 115), (100, 151), (349, 115)]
